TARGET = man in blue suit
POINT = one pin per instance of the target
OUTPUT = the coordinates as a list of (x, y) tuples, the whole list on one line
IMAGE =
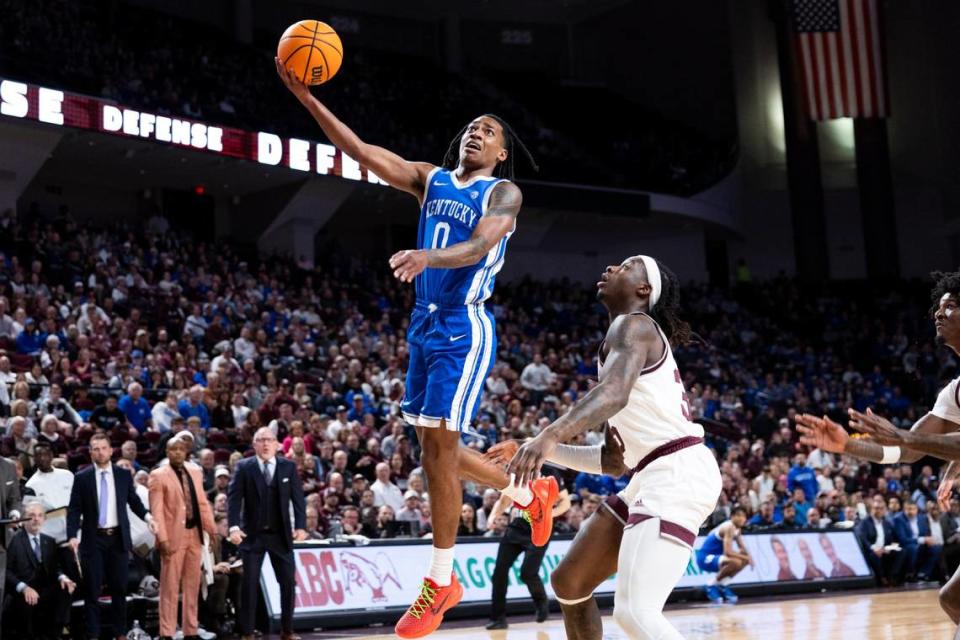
[(875, 533), (921, 555), (258, 509), (99, 498)]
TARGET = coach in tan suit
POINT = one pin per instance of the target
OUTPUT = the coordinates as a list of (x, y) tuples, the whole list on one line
[(182, 513)]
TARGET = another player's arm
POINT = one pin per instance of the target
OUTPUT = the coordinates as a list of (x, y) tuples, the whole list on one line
[(498, 221), (606, 458), (630, 339), (941, 441), (399, 173), (827, 435)]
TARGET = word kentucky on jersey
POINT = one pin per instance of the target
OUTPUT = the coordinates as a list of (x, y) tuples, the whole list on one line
[(459, 211)]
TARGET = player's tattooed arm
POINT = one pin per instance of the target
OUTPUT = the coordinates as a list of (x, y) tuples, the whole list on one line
[(945, 446), (825, 434), (498, 221), (631, 341)]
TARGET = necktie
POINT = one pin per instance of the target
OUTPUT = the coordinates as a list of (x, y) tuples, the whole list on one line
[(267, 476), (36, 547), (104, 497), (187, 496)]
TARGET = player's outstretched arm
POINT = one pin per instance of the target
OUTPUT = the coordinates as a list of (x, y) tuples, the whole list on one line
[(606, 458), (945, 446), (630, 339), (498, 221), (827, 435), (399, 173)]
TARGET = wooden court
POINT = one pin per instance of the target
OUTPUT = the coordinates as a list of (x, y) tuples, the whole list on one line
[(892, 615)]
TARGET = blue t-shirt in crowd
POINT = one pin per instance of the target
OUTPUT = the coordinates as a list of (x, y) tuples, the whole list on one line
[(187, 410), (137, 412), (600, 485), (804, 477)]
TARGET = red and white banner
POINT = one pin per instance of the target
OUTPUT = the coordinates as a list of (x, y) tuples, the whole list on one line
[(839, 44), (55, 107)]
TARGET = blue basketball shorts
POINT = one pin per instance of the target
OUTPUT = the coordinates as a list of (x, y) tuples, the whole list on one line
[(709, 562), (452, 349)]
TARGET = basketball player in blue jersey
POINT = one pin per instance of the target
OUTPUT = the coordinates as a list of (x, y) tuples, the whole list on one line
[(468, 210)]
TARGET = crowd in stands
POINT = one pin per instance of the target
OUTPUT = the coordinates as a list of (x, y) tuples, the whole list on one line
[(156, 62), (143, 334)]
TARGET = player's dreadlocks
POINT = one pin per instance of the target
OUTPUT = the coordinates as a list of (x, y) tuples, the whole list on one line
[(504, 169), (667, 307), (946, 282)]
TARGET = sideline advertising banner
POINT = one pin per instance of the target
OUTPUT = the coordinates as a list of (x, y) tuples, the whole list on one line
[(338, 579)]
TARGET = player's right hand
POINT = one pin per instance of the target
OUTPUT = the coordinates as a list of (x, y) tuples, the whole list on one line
[(237, 536), (291, 81), (502, 452), (821, 433)]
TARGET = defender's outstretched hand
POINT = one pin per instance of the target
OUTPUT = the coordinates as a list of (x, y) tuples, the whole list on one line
[(880, 430), (821, 433)]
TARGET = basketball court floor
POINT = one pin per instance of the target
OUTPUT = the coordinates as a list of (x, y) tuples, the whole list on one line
[(888, 615)]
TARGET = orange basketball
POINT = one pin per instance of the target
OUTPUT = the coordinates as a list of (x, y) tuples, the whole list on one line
[(312, 50)]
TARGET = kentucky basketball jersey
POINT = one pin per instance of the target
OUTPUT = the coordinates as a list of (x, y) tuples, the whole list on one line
[(449, 214)]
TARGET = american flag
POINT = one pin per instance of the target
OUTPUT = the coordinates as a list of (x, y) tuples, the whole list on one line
[(840, 48)]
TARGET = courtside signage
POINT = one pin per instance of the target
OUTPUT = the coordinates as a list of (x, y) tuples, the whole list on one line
[(55, 107), (331, 580)]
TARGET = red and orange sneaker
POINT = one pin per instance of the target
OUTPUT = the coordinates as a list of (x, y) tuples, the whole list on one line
[(426, 613), (539, 513)]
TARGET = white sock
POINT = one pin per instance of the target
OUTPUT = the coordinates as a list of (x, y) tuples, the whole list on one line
[(521, 495), (725, 581), (441, 566), (712, 580)]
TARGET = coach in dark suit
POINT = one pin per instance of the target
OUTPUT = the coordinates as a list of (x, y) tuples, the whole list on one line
[(921, 555), (875, 533), (258, 506), (100, 497), (38, 587)]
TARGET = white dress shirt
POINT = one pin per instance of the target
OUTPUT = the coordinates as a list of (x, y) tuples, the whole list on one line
[(881, 539), (936, 531), (387, 493), (112, 519), (914, 526)]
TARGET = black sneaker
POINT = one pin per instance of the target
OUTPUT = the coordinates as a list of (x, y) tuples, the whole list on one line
[(497, 624)]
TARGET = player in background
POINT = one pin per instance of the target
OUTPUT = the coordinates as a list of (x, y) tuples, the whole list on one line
[(469, 209), (937, 433), (676, 480), (718, 556)]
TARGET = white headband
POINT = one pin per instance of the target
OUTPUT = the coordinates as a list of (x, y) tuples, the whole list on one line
[(653, 277)]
